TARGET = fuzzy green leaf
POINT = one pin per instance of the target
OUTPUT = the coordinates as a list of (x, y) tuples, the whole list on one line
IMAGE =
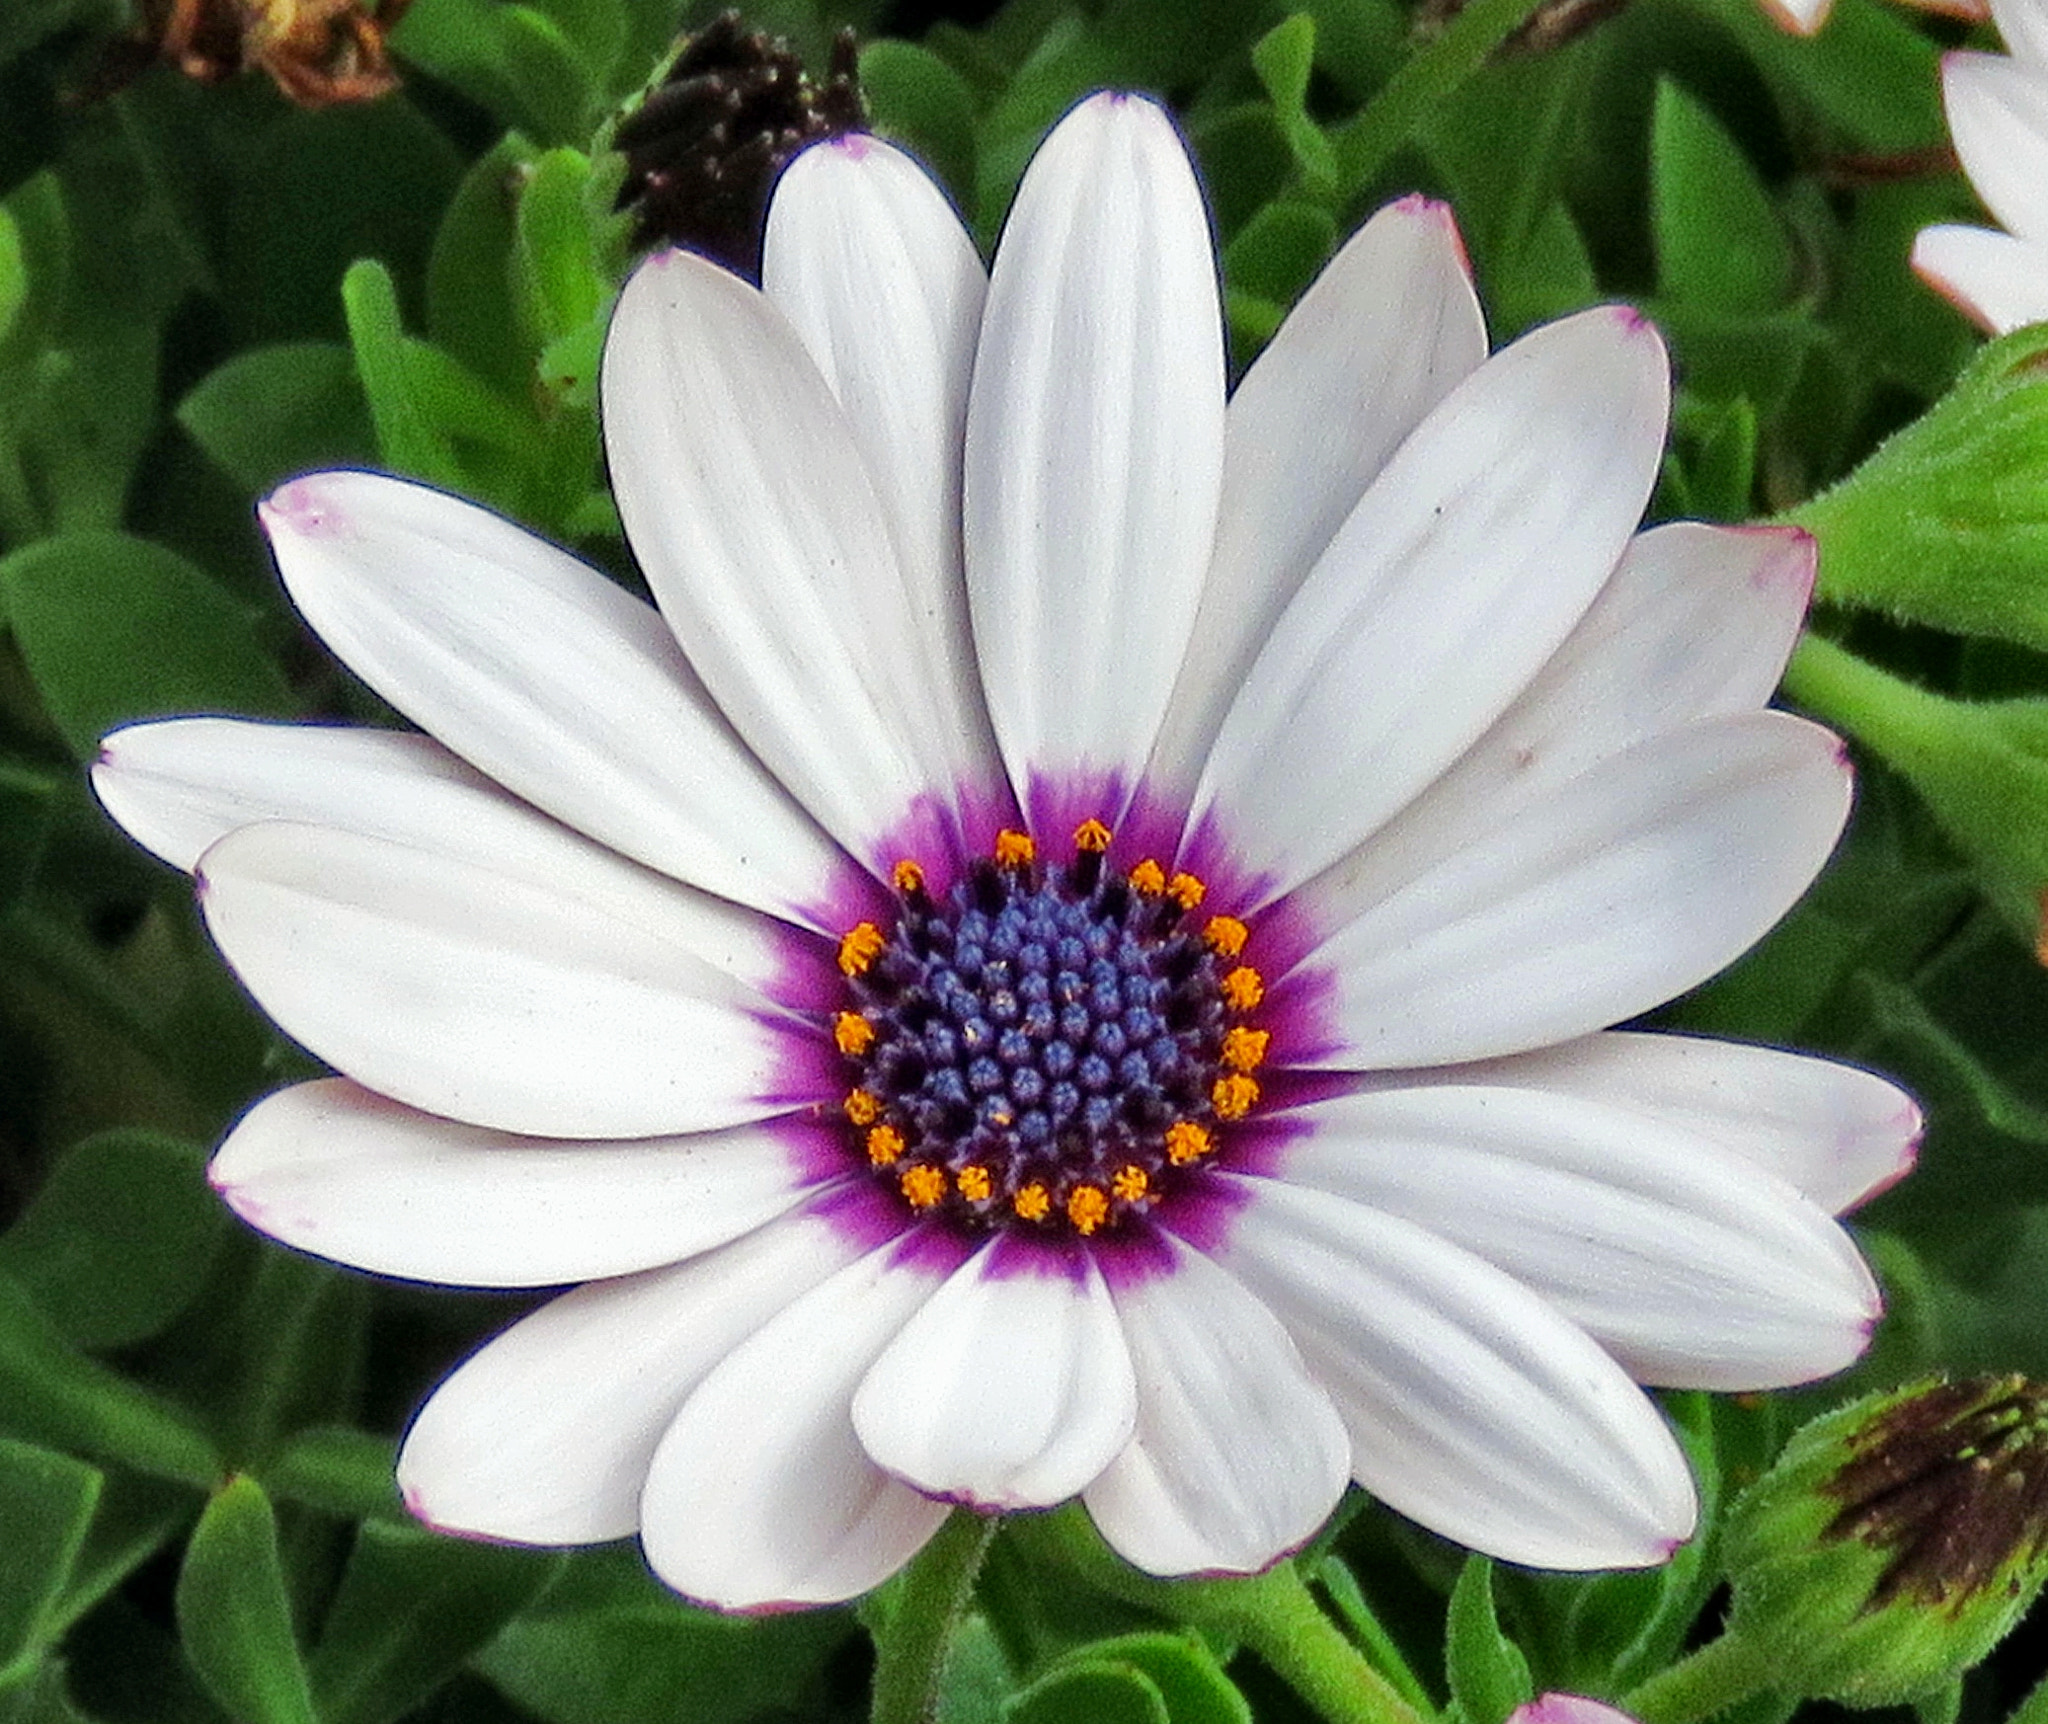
[(233, 1614)]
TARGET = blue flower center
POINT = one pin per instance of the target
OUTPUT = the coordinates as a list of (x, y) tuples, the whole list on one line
[(1052, 1047)]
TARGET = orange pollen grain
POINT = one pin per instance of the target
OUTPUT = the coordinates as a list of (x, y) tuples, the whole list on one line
[(907, 876), (1242, 989), (1087, 1208), (1032, 1203), (852, 1034), (1232, 1096), (885, 1144), (924, 1186), (1187, 1141), (1091, 835), (862, 1107), (1225, 936), (859, 947), (1244, 1050), (1015, 850), (1130, 1184), (1149, 878), (974, 1183), (1186, 890)]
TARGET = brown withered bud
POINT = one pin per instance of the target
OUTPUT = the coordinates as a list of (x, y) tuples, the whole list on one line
[(1895, 1541), (317, 52), (704, 149)]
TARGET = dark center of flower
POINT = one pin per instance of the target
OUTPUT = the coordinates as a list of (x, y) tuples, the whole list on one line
[(1054, 1047)]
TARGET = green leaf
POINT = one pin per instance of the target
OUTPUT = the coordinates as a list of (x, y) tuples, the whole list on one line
[(1719, 241), (121, 1236), (53, 1394), (608, 1646), (1279, 251), (472, 306), (1188, 1676), (407, 436), (272, 412), (46, 1505), (1487, 1673), (413, 1607), (115, 628), (1283, 58), (28, 804), (922, 103), (233, 1615), (556, 272), (1084, 1692), (35, 267), (976, 1678), (13, 274), (337, 1470)]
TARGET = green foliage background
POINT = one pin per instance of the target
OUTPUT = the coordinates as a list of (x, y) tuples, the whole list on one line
[(204, 290)]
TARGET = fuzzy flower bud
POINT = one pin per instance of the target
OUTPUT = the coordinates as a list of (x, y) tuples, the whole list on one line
[(1895, 1541)]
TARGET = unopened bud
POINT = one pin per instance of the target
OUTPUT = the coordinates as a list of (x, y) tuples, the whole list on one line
[(1895, 1541)]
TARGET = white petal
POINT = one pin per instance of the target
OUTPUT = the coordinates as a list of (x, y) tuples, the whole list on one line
[(485, 998), (1094, 443), (1696, 622), (1010, 1389), (1836, 1133), (544, 675), (1998, 117), (336, 1170), (2024, 25), (745, 498), (1376, 342), (1692, 1266), (1239, 1456), (1460, 572), (1625, 887), (879, 279), (546, 1434), (185, 783), (1998, 279), (1472, 1406), (760, 1494)]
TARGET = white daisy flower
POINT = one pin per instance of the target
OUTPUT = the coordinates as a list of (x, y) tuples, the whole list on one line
[(1073, 954), (1998, 116)]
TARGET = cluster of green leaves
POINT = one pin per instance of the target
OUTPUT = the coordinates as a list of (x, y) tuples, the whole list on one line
[(204, 290)]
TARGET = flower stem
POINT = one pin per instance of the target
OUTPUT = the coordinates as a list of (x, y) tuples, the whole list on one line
[(1719, 1675), (1420, 85), (1277, 1616), (1904, 724), (910, 1649), (2033, 1709)]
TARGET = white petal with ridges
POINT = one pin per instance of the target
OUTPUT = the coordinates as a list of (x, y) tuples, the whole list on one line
[(1630, 884), (334, 1169), (1998, 279), (482, 997), (879, 279), (1696, 622), (761, 1494), (545, 1435), (1094, 443), (2024, 25), (1693, 1267), (1472, 1406), (1998, 118), (1010, 1389), (1460, 572), (1381, 336), (741, 485), (1836, 1133), (1238, 1455), (545, 676)]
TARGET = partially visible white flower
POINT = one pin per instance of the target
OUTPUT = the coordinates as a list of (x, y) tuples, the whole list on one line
[(1568, 1709), (1804, 17), (1073, 955), (1998, 115)]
